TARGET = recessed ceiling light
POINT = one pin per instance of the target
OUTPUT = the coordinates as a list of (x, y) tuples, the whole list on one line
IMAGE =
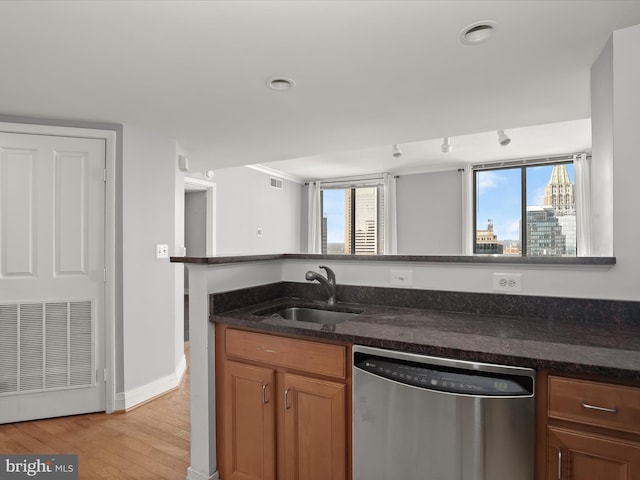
[(478, 32), (280, 84)]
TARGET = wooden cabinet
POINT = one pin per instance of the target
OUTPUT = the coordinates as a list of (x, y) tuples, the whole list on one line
[(282, 407), (592, 430), (314, 429), (577, 455), (249, 422)]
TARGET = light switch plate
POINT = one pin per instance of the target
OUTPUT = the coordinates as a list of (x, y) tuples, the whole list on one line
[(162, 251)]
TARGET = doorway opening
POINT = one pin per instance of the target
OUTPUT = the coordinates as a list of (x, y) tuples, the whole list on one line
[(199, 228)]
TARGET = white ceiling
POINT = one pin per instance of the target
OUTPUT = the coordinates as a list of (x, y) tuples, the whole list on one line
[(368, 73), (426, 156)]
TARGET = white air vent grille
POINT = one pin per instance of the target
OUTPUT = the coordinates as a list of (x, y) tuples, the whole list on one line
[(45, 346), (8, 348), (276, 183)]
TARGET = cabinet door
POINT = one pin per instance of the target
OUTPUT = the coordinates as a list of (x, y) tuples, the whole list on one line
[(574, 455), (249, 422), (314, 429)]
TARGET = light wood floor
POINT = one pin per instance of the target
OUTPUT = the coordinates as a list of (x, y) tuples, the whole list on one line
[(148, 442)]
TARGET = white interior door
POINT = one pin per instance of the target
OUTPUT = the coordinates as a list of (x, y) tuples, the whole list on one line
[(52, 268)]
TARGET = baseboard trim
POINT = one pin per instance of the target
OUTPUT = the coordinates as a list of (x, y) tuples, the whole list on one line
[(195, 475), (126, 401)]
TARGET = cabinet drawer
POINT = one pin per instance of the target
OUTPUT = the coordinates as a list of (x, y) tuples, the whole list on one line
[(312, 357), (594, 403)]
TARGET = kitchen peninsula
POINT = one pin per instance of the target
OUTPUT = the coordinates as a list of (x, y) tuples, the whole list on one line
[(567, 335)]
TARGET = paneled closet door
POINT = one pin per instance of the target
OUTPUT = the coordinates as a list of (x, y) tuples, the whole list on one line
[(52, 290)]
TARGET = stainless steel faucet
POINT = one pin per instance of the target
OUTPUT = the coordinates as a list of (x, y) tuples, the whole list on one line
[(328, 283)]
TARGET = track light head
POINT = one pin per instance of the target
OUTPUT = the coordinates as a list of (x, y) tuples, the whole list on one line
[(395, 151), (446, 145), (503, 138)]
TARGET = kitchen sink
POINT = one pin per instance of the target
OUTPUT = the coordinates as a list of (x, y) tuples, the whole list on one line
[(309, 314)]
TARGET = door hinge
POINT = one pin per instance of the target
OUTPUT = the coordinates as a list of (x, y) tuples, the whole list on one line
[(104, 275), (104, 175), (105, 375)]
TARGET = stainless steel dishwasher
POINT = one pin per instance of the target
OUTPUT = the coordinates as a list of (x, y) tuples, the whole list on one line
[(428, 418)]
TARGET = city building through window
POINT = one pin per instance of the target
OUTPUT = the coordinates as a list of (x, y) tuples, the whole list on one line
[(353, 220), (526, 210)]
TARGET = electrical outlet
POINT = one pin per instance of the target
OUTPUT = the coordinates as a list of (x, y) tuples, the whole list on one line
[(259, 232), (507, 282), (402, 278), (162, 251)]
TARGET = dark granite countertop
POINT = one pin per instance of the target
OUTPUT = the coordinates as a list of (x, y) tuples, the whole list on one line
[(566, 347), (467, 259)]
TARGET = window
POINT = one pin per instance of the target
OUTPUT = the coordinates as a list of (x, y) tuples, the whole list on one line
[(527, 209), (352, 220)]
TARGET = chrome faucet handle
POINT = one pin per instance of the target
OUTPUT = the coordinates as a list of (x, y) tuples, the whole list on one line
[(331, 276)]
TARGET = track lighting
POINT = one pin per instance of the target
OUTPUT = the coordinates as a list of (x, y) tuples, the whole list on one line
[(503, 138), (446, 145), (395, 151)]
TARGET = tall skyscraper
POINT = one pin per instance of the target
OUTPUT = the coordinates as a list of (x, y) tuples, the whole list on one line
[(544, 233), (366, 224), (347, 221), (363, 220), (551, 228), (559, 192)]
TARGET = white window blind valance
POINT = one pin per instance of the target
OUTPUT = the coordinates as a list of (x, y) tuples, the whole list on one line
[(351, 182), (525, 162)]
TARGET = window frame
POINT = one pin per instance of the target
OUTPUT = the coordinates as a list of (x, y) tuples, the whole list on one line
[(338, 185), (522, 165)]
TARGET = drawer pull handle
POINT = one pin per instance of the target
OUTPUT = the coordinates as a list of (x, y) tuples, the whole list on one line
[(264, 394), (286, 399), (600, 409), (559, 464)]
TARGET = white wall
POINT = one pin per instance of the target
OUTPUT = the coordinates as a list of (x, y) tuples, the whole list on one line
[(229, 277), (429, 214), (152, 202), (575, 282), (553, 281), (626, 164), (619, 282), (245, 202), (602, 152), (179, 359)]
